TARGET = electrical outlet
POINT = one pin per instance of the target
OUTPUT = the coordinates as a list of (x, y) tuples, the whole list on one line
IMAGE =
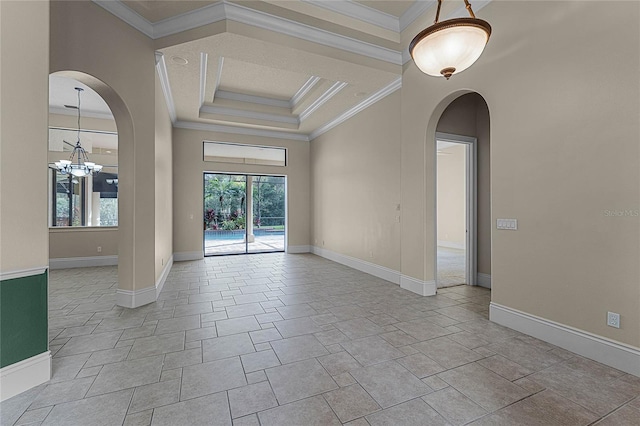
[(613, 319), (99, 249)]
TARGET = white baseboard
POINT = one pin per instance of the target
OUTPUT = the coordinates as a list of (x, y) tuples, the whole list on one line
[(483, 280), (298, 249), (137, 298), (24, 375), (82, 262), (423, 288), (188, 255), (163, 277), (359, 264), (608, 352), (450, 244)]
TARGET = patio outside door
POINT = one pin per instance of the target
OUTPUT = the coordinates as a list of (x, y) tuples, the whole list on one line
[(243, 214)]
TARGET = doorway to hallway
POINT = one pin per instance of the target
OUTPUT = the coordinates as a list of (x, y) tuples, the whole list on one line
[(455, 215), (244, 214)]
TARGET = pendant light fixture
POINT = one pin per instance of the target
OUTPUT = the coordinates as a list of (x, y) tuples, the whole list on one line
[(450, 46), (82, 166)]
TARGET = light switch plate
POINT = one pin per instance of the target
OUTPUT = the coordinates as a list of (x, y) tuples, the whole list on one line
[(509, 224)]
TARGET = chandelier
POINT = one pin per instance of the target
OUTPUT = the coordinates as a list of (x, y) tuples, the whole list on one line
[(451, 46), (78, 164)]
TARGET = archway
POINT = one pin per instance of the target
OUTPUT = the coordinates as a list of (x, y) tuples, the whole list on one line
[(124, 126), (463, 116)]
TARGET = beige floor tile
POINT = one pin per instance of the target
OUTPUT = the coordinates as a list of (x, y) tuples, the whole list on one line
[(504, 367), (210, 410), (412, 413), (155, 395), (544, 408), (625, 416), (351, 402), (251, 399), (299, 380), (483, 386), (211, 377), (446, 352), (298, 348), (389, 383), (454, 406), (371, 350), (309, 412)]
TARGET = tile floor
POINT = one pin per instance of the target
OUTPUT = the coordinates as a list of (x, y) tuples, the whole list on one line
[(451, 267), (262, 243), (279, 339)]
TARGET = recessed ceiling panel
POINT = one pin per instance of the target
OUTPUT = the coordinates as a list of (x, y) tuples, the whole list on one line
[(258, 80)]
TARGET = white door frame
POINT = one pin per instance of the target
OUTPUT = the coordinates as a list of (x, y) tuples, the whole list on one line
[(471, 252)]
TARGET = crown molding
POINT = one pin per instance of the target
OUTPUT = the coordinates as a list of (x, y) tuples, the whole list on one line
[(387, 90), (322, 99), (262, 100), (192, 125), (204, 57), (187, 21), (235, 12), (161, 68), (123, 12), (360, 12), (313, 80), (234, 112), (415, 10), (245, 15), (218, 76)]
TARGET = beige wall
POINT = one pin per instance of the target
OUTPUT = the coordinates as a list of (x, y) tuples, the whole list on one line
[(188, 168), (452, 198), (120, 67), (355, 171), (468, 116), (564, 150), (163, 182), (24, 71), (82, 242)]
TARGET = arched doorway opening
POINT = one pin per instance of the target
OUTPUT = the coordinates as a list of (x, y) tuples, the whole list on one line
[(458, 151), (120, 244)]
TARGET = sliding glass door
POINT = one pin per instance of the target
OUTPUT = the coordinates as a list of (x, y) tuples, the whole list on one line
[(243, 214), (268, 199)]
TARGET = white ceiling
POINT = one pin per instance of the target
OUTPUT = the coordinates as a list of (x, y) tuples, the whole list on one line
[(279, 68), (62, 92)]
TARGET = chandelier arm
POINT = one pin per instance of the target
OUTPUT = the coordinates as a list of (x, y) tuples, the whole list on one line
[(468, 6), (85, 157), (438, 12)]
